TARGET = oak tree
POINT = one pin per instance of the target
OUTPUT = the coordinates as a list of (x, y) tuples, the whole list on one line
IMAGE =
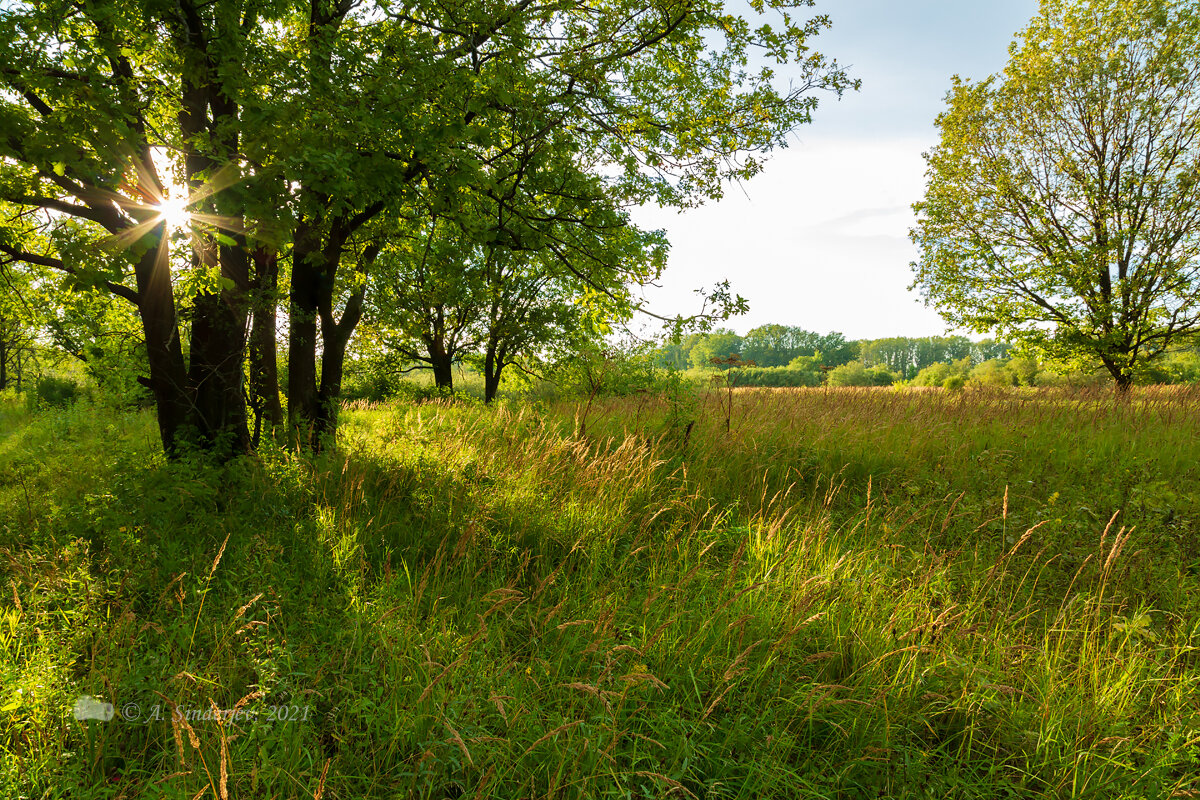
[(290, 129), (1062, 208)]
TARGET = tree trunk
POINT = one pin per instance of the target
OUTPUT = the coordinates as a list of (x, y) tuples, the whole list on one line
[(443, 366), (218, 352), (264, 358), (312, 413), (493, 366), (335, 335), (302, 336), (3, 362), (440, 359), (218, 335), (491, 376), (333, 361), (168, 375), (1122, 376), (334, 338)]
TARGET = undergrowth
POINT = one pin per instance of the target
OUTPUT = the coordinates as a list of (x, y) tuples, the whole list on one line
[(852, 593)]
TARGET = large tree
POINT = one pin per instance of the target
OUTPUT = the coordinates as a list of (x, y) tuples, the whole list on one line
[(772, 345), (429, 297), (294, 128), (97, 99), (1062, 208)]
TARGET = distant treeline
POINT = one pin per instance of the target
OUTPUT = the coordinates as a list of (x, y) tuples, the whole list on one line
[(782, 355), (766, 346), (907, 357), (799, 349)]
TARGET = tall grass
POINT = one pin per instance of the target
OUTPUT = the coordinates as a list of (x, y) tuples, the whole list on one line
[(852, 593)]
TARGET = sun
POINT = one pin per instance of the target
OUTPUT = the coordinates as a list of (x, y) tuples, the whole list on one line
[(173, 211)]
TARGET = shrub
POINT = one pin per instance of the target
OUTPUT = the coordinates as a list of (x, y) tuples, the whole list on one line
[(1178, 367), (933, 375), (1024, 370), (777, 377), (57, 392), (936, 374), (1184, 367), (992, 373), (882, 376), (372, 386), (115, 372), (852, 374), (610, 371)]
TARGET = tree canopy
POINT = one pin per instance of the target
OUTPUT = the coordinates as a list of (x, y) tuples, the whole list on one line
[(771, 345), (301, 134), (1062, 208), (778, 345)]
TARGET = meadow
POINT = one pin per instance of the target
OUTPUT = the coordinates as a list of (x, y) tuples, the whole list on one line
[(802, 593)]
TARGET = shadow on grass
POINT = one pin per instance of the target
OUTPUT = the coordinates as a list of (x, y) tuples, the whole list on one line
[(460, 603)]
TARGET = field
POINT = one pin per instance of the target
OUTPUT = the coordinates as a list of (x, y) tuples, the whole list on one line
[(774, 593)]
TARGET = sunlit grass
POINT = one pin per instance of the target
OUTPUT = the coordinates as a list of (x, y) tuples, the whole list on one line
[(850, 594)]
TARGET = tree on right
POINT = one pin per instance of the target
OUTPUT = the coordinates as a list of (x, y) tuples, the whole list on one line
[(1062, 205)]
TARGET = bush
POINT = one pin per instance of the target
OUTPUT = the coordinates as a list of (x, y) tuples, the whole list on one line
[(933, 375), (936, 374), (1024, 370), (882, 376), (993, 373), (610, 371), (57, 392), (852, 374), (1183, 367), (372, 386), (115, 374), (1178, 367), (855, 374), (777, 377)]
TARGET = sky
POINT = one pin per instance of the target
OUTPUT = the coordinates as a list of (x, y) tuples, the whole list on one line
[(819, 239)]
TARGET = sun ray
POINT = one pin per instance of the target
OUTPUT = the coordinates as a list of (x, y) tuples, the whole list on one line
[(229, 224), (132, 235), (223, 178), (152, 206)]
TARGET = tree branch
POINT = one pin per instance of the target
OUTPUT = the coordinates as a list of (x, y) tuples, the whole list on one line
[(57, 264)]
